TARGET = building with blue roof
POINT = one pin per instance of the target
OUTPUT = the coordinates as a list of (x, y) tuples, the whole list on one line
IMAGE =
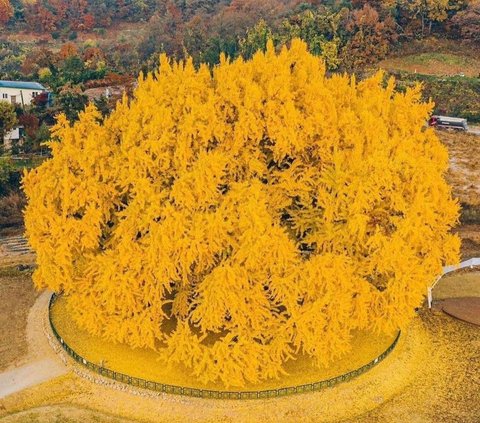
[(20, 92)]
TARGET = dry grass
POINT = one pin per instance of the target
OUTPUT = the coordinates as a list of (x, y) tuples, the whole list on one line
[(457, 285), (435, 57), (434, 64), (17, 295), (464, 172)]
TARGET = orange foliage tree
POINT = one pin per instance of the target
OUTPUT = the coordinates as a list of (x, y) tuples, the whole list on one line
[(6, 11), (233, 218), (370, 37)]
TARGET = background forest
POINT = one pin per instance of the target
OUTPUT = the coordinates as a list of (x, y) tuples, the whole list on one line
[(93, 50), (71, 46)]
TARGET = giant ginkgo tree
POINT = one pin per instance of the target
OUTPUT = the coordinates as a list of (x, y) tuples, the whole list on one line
[(235, 217)]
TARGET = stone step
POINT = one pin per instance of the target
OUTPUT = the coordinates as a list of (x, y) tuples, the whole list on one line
[(15, 239), (15, 245)]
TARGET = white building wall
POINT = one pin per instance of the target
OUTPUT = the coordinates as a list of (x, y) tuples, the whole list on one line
[(10, 137), (28, 94)]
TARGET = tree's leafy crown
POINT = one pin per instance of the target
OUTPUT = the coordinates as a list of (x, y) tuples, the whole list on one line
[(236, 217)]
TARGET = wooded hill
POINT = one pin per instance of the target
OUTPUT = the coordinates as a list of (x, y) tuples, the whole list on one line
[(349, 33)]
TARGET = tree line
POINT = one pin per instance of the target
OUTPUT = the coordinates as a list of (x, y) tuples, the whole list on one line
[(349, 35), (184, 22)]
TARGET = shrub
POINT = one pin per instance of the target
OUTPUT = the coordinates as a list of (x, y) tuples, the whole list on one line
[(11, 207)]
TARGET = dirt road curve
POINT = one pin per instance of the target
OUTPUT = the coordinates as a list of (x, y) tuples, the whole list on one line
[(42, 363), (474, 130), (29, 375)]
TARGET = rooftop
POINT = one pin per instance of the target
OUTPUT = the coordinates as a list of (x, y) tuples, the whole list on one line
[(22, 85)]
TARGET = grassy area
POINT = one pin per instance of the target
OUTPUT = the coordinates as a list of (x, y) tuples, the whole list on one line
[(28, 162), (435, 56), (434, 63), (454, 95)]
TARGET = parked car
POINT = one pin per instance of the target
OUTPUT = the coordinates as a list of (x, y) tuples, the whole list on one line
[(448, 122)]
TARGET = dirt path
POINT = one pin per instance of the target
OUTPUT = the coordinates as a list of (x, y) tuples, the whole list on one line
[(28, 375), (41, 363)]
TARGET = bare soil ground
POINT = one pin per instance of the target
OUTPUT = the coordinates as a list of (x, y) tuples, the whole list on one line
[(464, 172), (17, 296)]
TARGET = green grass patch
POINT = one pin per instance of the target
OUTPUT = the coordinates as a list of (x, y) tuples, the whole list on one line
[(454, 96), (432, 57), (28, 163)]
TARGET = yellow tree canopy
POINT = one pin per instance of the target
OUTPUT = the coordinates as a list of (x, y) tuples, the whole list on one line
[(233, 218)]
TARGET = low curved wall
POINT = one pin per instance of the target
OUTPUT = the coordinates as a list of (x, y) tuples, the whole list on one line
[(211, 394), (475, 261)]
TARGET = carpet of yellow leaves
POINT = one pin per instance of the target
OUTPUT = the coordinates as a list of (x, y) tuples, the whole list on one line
[(432, 376), (143, 362)]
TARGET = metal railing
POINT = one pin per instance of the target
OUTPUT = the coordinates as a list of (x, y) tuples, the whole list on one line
[(212, 394)]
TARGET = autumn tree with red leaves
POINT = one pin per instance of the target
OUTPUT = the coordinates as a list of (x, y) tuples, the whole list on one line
[(370, 37), (6, 11)]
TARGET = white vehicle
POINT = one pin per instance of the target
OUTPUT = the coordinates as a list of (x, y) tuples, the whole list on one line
[(448, 122)]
